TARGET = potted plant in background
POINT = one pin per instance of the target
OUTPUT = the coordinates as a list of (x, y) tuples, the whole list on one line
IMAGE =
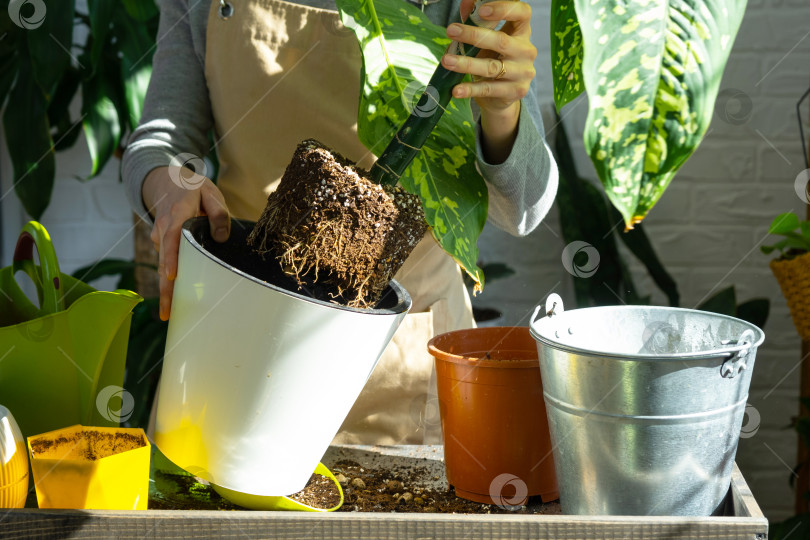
[(792, 267), (51, 57), (43, 69), (792, 272)]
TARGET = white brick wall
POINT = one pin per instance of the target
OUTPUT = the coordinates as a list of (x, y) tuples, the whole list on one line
[(707, 227)]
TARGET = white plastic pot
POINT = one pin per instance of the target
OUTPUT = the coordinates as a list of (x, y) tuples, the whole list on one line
[(256, 379)]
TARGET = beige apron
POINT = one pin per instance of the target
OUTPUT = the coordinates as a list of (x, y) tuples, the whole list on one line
[(279, 73)]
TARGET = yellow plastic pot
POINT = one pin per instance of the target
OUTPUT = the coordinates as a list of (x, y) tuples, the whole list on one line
[(95, 468), (59, 357)]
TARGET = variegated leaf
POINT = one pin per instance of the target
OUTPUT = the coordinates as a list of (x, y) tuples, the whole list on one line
[(566, 52), (401, 49), (652, 70)]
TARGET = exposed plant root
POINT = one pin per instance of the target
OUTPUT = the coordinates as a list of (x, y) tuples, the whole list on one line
[(330, 225)]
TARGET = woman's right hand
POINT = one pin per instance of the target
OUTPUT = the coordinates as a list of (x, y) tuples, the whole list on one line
[(170, 205)]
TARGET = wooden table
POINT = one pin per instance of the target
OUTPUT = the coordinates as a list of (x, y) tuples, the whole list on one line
[(744, 519)]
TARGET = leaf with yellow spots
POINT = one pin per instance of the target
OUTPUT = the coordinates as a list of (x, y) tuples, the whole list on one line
[(566, 52), (398, 61), (651, 69)]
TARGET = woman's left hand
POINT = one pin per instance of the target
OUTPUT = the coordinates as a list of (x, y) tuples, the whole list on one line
[(504, 67)]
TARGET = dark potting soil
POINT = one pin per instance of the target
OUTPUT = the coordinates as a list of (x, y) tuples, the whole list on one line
[(320, 492), (236, 253), (398, 490), (89, 445), (184, 492), (329, 224), (365, 490)]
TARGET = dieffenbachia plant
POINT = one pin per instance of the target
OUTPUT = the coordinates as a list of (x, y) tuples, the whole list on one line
[(651, 69), (40, 78), (401, 51)]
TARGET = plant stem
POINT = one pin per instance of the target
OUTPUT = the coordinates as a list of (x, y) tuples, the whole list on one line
[(413, 133)]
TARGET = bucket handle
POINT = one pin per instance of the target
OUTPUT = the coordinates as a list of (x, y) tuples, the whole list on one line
[(736, 362), (554, 306), (48, 282)]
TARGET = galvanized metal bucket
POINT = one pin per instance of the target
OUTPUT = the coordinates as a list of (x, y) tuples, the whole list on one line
[(645, 405)]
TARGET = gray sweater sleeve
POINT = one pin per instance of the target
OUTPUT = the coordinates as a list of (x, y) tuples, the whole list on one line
[(177, 113), (522, 188), (177, 118)]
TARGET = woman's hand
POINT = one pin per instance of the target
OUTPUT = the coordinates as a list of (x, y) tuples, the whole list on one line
[(502, 71), (171, 203)]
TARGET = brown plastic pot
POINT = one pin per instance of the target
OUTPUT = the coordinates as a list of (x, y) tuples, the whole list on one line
[(497, 447)]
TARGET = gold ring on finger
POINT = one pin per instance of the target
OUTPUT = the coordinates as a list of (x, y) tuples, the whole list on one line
[(502, 72)]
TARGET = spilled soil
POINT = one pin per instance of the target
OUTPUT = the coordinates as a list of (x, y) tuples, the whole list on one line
[(400, 490)]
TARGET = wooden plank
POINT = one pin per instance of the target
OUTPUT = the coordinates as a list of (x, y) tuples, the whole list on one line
[(747, 523), (744, 504), (338, 526)]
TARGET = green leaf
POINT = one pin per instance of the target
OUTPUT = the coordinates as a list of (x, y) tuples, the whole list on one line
[(147, 341), (792, 528), (50, 44), (797, 241), (101, 14), (580, 204), (65, 130), (136, 63), (102, 128), (724, 302), (611, 283), (111, 267), (141, 10), (11, 33), (59, 107), (29, 141), (639, 244), (804, 227), (8, 71), (652, 70), (802, 426), (767, 249), (66, 134), (566, 52), (401, 48), (493, 271), (784, 223), (755, 311)]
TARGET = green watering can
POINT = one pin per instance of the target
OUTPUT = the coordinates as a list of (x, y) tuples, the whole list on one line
[(61, 362)]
